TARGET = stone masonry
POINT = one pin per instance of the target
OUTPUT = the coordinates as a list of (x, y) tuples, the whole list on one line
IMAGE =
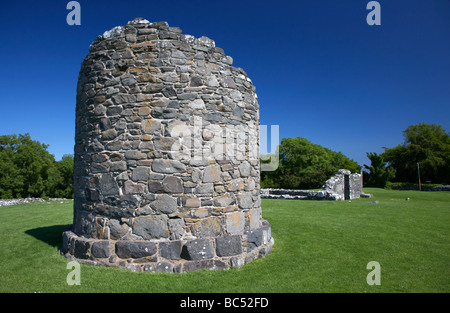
[(166, 173)]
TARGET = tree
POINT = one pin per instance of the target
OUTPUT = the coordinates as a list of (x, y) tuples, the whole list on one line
[(305, 165), (427, 144), (379, 174), (27, 169), (25, 166), (65, 171)]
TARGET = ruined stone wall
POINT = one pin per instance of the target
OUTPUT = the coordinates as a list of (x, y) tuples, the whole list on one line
[(355, 186), (166, 154), (346, 185), (342, 186)]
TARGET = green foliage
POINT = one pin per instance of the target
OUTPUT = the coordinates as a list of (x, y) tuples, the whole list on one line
[(304, 165), (427, 144), (378, 174), (27, 169), (64, 185)]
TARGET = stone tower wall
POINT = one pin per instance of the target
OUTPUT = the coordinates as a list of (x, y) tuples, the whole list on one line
[(166, 155)]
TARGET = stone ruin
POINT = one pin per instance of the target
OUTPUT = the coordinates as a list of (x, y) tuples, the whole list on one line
[(166, 173), (342, 186), (345, 185)]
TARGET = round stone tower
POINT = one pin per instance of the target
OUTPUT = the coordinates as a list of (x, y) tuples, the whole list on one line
[(167, 169)]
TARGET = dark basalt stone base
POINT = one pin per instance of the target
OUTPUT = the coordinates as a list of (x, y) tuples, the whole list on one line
[(172, 256)]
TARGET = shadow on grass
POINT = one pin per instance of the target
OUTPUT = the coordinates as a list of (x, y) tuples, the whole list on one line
[(51, 235)]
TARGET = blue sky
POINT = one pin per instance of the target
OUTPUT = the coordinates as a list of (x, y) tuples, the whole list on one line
[(320, 71)]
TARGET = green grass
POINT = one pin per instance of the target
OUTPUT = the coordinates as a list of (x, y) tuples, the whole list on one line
[(320, 246)]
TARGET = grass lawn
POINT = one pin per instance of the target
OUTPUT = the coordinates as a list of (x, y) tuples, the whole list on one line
[(320, 246)]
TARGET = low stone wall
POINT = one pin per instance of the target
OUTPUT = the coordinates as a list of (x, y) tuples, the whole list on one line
[(342, 186), (5, 202), (269, 193), (174, 256), (439, 188)]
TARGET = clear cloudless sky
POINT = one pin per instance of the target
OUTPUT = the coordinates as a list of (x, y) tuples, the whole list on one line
[(320, 71)]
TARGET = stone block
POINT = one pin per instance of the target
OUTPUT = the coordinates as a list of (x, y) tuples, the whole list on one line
[(187, 96), (224, 201), (109, 134), (235, 185), (153, 88), (115, 145), (140, 174), (196, 81), (170, 250), (172, 184), (213, 117), (135, 155), (164, 267), (254, 218), (212, 82), (169, 92), (134, 249), (118, 166), (245, 200), (176, 228), (166, 144), (255, 239), (164, 204), (198, 249), (205, 265), (244, 169), (200, 213), (130, 188), (207, 227), (92, 194), (117, 230), (151, 126), (196, 175), (228, 82), (81, 248), (99, 168), (99, 110), (197, 104), (155, 186), (68, 238), (101, 249), (115, 157), (168, 166), (108, 185), (228, 246), (151, 227), (207, 188), (211, 173), (235, 223), (237, 262)]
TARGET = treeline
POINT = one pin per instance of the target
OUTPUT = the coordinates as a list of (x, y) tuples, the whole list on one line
[(27, 170), (425, 152)]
